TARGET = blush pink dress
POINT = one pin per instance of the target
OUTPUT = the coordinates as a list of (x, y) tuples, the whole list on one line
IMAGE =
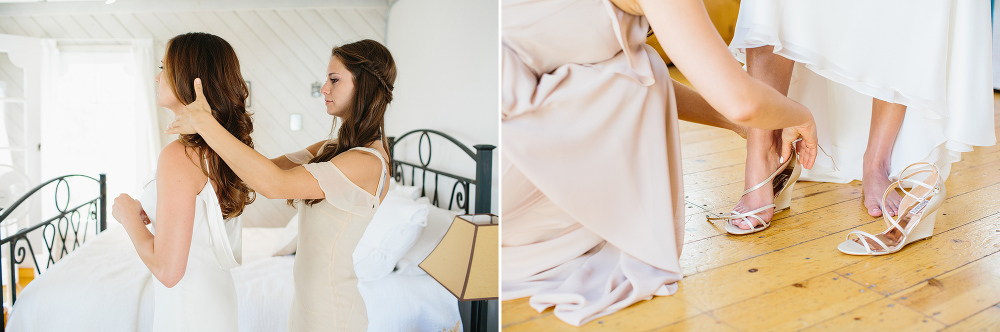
[(592, 199), (326, 288)]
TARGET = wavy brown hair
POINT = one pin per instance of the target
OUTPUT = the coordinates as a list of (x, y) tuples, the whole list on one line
[(206, 56), (374, 72)]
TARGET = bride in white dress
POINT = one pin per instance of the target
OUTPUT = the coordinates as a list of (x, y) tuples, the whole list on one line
[(195, 200), (890, 83)]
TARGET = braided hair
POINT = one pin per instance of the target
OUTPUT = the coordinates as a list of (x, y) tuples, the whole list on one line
[(373, 72)]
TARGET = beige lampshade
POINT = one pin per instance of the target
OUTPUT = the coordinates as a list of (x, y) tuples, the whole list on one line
[(466, 260)]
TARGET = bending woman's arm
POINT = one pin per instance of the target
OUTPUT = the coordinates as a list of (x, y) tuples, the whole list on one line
[(686, 34)]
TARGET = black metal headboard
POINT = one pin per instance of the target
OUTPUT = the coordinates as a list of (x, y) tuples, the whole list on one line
[(56, 230), (460, 190)]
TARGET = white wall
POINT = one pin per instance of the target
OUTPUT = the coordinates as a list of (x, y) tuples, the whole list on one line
[(446, 51), (447, 56), (282, 51)]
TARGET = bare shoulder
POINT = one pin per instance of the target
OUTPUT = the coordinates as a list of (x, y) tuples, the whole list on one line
[(361, 167), (177, 155), (362, 160), (180, 164), (629, 6)]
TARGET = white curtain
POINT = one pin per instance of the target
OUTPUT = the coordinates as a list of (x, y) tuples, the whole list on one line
[(149, 145)]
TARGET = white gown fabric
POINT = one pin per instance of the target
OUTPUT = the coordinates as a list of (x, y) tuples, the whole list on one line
[(932, 56), (205, 298), (592, 184)]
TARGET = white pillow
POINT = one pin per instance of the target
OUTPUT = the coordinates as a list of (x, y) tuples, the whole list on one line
[(289, 239), (438, 222), (409, 192), (395, 227)]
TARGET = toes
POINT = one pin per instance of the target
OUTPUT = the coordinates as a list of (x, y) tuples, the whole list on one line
[(873, 208), (744, 224)]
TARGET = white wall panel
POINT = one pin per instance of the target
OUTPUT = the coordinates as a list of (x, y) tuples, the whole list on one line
[(282, 51)]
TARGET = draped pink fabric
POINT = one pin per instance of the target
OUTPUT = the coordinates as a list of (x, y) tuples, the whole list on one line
[(591, 172)]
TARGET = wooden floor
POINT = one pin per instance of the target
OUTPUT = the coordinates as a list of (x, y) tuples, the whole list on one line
[(792, 277)]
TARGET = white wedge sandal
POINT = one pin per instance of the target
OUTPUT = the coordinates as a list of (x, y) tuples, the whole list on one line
[(917, 212), (781, 182)]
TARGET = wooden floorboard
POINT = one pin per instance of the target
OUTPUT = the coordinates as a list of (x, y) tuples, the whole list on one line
[(791, 276)]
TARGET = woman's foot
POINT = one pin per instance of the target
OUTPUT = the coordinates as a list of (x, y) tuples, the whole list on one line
[(874, 181), (887, 118), (762, 160)]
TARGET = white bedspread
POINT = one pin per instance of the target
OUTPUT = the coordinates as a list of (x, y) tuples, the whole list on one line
[(408, 303), (103, 286), (98, 287)]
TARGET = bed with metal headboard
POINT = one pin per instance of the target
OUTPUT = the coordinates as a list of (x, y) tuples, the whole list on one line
[(60, 234), (103, 286), (459, 195)]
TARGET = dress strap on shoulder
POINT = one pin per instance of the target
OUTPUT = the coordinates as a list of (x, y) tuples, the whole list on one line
[(381, 179)]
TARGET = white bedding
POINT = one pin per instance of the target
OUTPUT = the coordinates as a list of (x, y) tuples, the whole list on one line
[(103, 286), (400, 302)]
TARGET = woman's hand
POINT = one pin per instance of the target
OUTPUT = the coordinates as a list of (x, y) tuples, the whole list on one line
[(144, 217), (806, 148), (186, 122), (126, 208)]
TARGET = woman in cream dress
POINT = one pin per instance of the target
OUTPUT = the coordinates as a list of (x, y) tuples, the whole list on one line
[(340, 183), (890, 83), (592, 191), (195, 200)]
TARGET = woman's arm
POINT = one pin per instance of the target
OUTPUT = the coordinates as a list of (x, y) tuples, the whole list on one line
[(178, 182), (686, 34), (691, 107), (260, 173), (284, 163)]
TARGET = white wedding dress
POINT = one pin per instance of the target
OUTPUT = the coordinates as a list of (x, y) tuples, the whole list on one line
[(932, 56), (205, 297)]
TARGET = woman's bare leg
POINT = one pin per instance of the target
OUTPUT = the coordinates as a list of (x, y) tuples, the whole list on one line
[(762, 145), (887, 118)]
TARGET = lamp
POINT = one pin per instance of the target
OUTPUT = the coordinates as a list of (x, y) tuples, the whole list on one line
[(466, 262)]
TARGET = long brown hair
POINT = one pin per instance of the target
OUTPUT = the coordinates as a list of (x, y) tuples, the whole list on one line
[(374, 73), (206, 56)]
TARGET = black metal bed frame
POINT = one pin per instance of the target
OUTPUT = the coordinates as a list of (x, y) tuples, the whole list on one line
[(53, 230), (459, 197)]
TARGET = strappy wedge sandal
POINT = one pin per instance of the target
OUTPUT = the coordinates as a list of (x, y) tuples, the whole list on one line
[(781, 183), (918, 211)]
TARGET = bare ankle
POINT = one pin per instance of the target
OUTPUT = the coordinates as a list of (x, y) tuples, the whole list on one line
[(881, 165)]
